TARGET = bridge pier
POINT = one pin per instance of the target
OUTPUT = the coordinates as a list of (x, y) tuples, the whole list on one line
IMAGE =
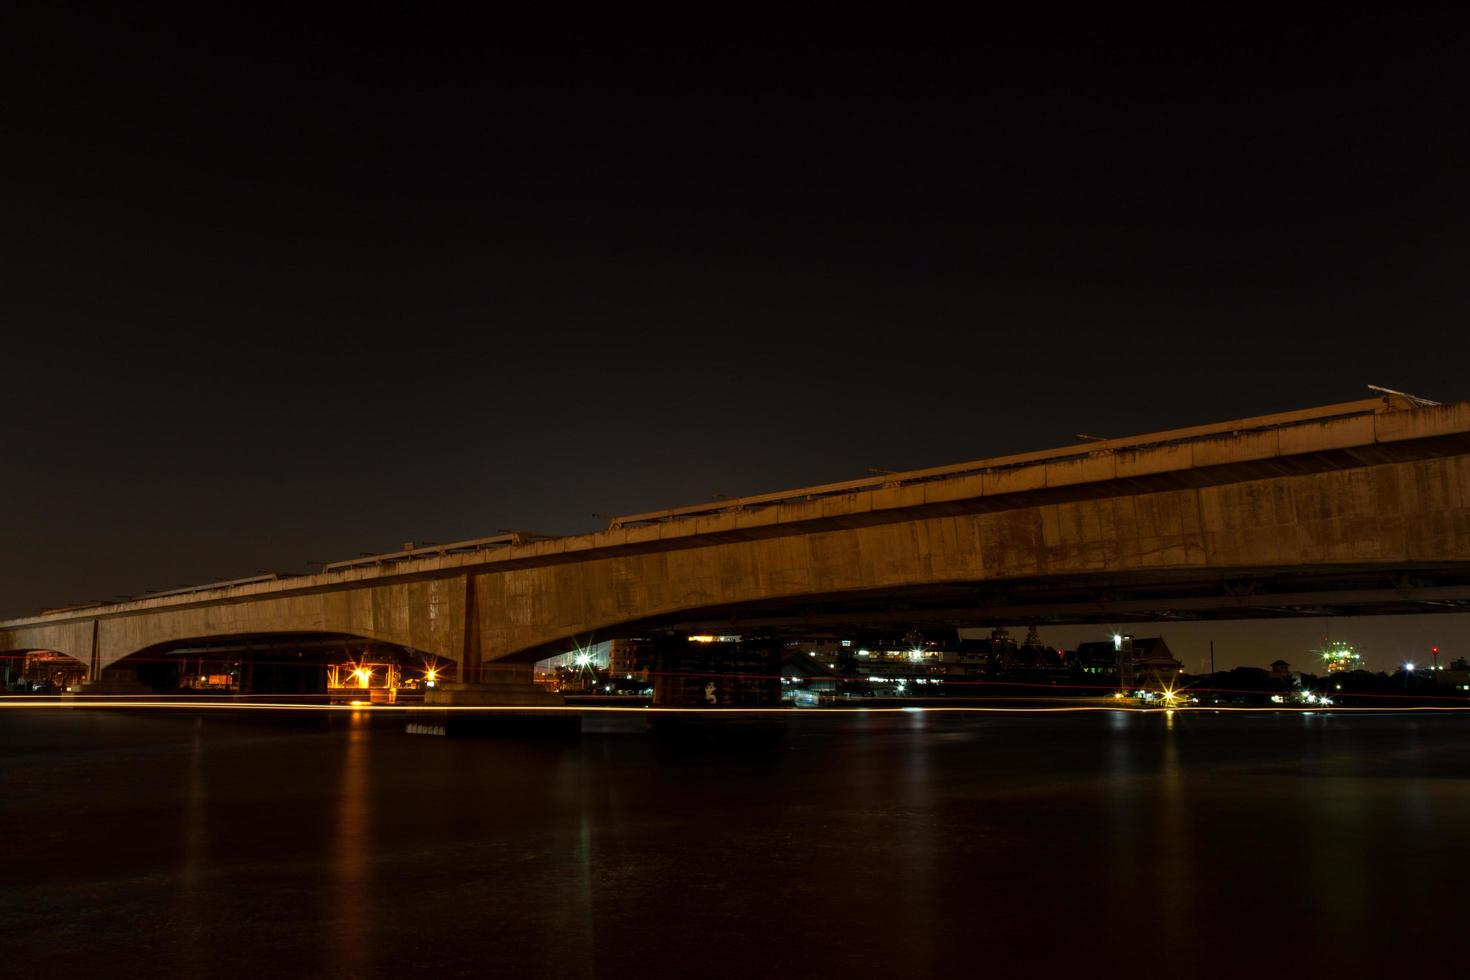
[(513, 703), (114, 680), (512, 685)]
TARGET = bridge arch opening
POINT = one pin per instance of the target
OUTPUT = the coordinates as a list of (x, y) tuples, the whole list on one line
[(41, 671), (1102, 598), (276, 663), (1106, 603)]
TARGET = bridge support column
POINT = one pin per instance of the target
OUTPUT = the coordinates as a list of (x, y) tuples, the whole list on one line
[(470, 662), (115, 680), (481, 685), (513, 703), (94, 663), (512, 685)]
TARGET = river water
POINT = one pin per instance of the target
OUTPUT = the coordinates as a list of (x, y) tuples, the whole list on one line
[(1196, 844)]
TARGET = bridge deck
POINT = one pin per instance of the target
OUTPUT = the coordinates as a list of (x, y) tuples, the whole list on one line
[(1260, 423), (1344, 435)]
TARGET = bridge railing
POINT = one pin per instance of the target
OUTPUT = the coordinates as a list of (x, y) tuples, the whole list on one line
[(433, 551), (1327, 413), (186, 589), (1366, 406)]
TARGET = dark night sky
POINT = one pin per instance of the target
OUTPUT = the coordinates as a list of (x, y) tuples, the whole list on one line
[(274, 292)]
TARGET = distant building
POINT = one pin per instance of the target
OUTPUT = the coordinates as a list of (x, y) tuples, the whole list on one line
[(1457, 674), (1280, 670), (873, 663), (578, 666), (716, 670), (1153, 663), (1133, 660), (1096, 657), (1340, 656), (43, 670), (626, 658), (808, 679)]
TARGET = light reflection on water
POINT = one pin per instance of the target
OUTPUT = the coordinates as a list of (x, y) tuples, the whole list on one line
[(866, 844), (352, 845), (193, 933)]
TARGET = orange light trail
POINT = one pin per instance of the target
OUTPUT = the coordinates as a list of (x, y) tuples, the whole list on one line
[(709, 712)]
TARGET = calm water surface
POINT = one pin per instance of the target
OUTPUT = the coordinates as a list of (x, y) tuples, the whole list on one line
[(141, 844)]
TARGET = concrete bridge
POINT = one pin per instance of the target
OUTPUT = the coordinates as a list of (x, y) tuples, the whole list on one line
[(1361, 507)]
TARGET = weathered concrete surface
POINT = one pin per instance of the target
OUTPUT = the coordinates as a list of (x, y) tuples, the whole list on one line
[(427, 615), (505, 686), (1366, 484)]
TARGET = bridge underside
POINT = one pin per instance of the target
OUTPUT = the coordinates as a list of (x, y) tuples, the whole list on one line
[(331, 645), (1175, 595), (262, 663)]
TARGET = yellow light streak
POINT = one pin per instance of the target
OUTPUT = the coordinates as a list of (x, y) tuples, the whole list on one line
[(707, 712)]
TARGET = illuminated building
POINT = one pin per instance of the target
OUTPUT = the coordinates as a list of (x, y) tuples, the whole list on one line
[(362, 682), (595, 656), (1134, 661), (44, 671), (1339, 656), (1153, 664), (629, 657), (1095, 657)]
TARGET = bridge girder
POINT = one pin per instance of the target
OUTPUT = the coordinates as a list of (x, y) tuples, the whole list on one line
[(1348, 510)]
